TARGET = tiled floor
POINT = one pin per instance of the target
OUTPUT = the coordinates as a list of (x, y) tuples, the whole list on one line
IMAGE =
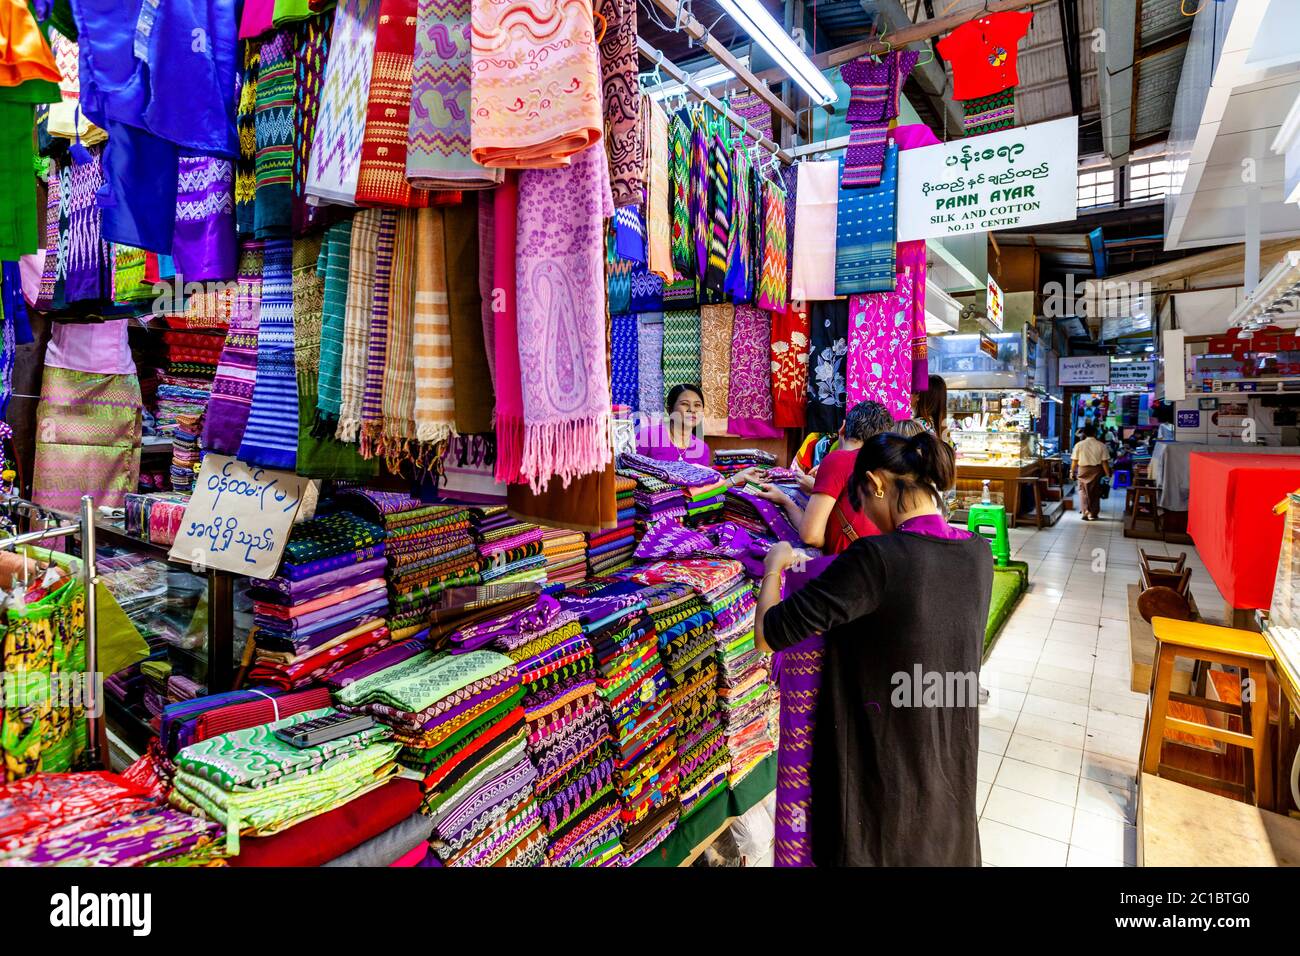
[(1061, 732)]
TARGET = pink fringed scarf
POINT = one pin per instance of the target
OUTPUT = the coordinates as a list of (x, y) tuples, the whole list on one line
[(505, 329), (561, 335)]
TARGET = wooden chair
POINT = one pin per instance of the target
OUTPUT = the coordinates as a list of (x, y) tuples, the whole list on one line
[(1146, 506), (1164, 590), (1250, 655), (1035, 486)]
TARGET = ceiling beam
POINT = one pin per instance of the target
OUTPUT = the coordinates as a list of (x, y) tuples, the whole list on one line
[(930, 76), (1069, 12), (696, 30), (1115, 85)]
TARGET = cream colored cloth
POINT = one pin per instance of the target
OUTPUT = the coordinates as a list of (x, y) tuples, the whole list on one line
[(1089, 452)]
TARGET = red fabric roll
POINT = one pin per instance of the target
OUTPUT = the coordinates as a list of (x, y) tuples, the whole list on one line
[(222, 720), (332, 834)]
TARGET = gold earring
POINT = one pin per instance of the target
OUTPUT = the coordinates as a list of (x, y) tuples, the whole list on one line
[(880, 492)]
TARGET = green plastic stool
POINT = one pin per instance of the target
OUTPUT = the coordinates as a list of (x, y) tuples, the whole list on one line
[(981, 519)]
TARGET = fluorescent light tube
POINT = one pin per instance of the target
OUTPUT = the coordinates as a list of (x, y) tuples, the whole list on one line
[(767, 33)]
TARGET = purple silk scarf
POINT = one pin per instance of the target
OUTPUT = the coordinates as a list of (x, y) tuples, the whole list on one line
[(203, 246), (232, 388)]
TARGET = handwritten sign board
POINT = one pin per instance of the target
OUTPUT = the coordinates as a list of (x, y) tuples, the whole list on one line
[(1020, 177), (239, 517), (1085, 370)]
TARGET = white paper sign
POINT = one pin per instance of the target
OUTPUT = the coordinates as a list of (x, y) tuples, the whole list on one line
[(1020, 177), (993, 303), (239, 517), (1132, 373), (1085, 370)]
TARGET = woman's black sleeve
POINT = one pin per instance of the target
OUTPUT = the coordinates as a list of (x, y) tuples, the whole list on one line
[(851, 587)]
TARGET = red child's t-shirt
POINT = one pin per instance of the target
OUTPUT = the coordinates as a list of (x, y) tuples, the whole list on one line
[(833, 479), (983, 54)]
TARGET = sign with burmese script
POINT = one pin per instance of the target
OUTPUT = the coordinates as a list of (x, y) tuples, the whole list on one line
[(1020, 177), (238, 518)]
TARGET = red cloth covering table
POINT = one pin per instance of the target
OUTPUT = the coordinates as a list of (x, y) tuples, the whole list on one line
[(1230, 517)]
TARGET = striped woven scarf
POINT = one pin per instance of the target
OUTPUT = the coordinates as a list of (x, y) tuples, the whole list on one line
[(700, 222), (232, 388), (435, 406), (399, 363), (308, 79), (382, 178), (740, 252), (682, 348), (245, 122), (333, 266), (720, 183), (372, 401), (772, 285), (356, 322), (271, 436), (679, 172), (273, 121)]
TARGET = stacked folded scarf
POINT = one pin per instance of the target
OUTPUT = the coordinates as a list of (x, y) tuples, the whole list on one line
[(730, 461), (566, 555), (680, 474), (568, 740), (53, 807), (510, 550), (257, 784), (610, 551), (187, 722), (762, 517), (632, 681), (185, 451), (704, 502), (654, 500), (744, 687), (460, 719)]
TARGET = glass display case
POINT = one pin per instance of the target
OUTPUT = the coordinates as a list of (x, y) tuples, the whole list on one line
[(964, 363), (1010, 449)]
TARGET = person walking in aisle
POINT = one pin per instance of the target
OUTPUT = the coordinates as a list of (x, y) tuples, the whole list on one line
[(1089, 460), (893, 776)]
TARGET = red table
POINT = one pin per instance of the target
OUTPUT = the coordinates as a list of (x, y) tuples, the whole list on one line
[(1230, 517)]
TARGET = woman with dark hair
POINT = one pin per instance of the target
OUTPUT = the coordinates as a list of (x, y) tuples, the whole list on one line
[(896, 736), (677, 438), (931, 406), (831, 521)]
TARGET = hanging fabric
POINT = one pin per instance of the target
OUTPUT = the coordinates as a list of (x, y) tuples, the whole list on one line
[(813, 251), (510, 401), (362, 256), (701, 216), (658, 213), (649, 355), (624, 142), (772, 292), (203, 249), (740, 244), (66, 118), (435, 399), (273, 122), (679, 175), (989, 114), (624, 370), (789, 367), (721, 211), (399, 361), (372, 418), (682, 350), (246, 126), (829, 327), (333, 269), (562, 319), (749, 400), (271, 435), (716, 327), (545, 114), (335, 160), (232, 387), (473, 381), (875, 86), (310, 54), (864, 233), (879, 367)]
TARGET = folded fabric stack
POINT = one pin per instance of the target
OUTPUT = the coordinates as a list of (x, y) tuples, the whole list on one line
[(155, 672), (625, 500), (428, 547), (682, 474), (704, 502), (460, 719), (185, 451), (51, 807), (762, 517), (510, 550), (568, 740), (156, 516), (202, 718), (732, 460), (686, 644), (328, 605), (185, 384), (566, 555), (257, 784), (181, 687), (634, 685), (179, 395), (162, 836), (654, 500)]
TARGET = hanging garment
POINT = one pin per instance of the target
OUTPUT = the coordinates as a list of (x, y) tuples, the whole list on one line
[(475, 400), (258, 18), (875, 89), (335, 161), (829, 326), (618, 280), (646, 293), (271, 434), (864, 233), (310, 54), (51, 290), (679, 175), (624, 378), (87, 439), (232, 387), (879, 367), (438, 139), (535, 101), (486, 253), (362, 256), (629, 235), (26, 55), (622, 102), (790, 179), (721, 211), (658, 213), (989, 114), (382, 177), (789, 367), (716, 327), (748, 105), (772, 292), (246, 125), (813, 250), (740, 243), (399, 362), (700, 213), (18, 232), (333, 269), (273, 122), (85, 276), (562, 319), (203, 249), (650, 372), (377, 349), (435, 404), (505, 329), (682, 351), (293, 11), (749, 400), (983, 53), (66, 118), (912, 255)]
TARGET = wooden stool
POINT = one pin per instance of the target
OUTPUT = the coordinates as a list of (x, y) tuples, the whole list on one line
[(1244, 650), (1036, 485), (1146, 506)]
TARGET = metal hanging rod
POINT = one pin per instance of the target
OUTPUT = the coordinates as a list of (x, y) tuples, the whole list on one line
[(825, 146), (680, 75)]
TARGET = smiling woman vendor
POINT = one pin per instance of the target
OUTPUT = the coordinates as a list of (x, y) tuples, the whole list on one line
[(676, 438)]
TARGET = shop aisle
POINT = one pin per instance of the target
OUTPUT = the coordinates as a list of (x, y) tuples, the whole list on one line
[(1061, 732)]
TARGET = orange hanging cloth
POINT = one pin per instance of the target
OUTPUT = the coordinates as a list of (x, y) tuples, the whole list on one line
[(24, 54)]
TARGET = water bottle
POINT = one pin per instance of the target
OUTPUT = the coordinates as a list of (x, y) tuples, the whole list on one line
[(985, 500)]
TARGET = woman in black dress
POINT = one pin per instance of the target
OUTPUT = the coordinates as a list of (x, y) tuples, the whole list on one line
[(897, 736)]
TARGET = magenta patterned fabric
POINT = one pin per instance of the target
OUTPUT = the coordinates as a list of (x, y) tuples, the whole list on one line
[(668, 539), (749, 402), (880, 347)]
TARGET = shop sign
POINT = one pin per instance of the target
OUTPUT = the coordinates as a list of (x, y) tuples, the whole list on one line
[(1132, 373), (238, 518), (1020, 177), (994, 303), (988, 346), (1084, 370), (1189, 418)]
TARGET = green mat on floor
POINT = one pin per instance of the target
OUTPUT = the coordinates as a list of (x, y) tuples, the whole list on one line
[(1008, 584)]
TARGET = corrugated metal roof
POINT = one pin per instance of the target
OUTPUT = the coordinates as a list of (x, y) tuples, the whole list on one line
[(1158, 19), (1157, 86)]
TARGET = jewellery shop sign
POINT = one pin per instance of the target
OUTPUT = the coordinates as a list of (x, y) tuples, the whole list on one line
[(1020, 177)]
